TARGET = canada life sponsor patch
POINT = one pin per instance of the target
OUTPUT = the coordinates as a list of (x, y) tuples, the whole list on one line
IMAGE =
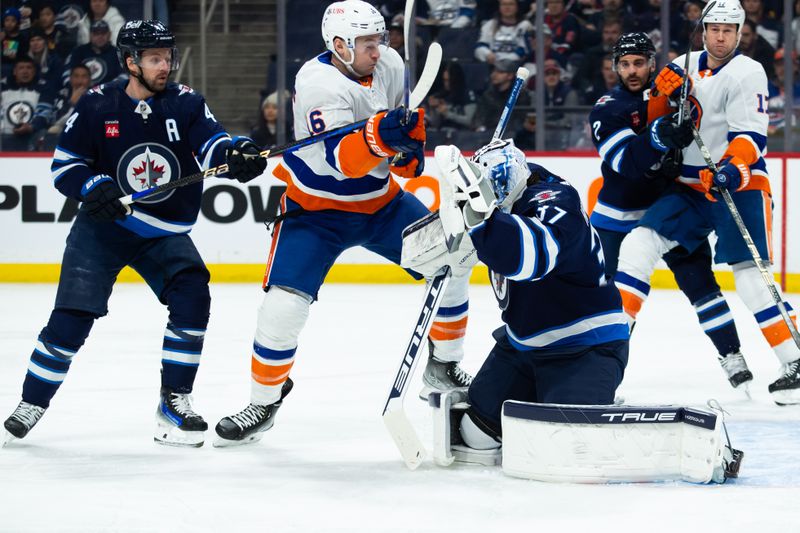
[(145, 166), (112, 129)]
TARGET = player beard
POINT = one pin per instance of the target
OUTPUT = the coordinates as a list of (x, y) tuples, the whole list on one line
[(634, 83)]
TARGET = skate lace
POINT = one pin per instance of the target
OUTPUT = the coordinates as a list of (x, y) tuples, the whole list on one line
[(249, 416), (790, 370), (28, 414), (733, 363), (460, 376), (182, 404)]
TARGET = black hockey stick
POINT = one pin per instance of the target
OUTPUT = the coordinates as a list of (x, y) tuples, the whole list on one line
[(683, 112), (748, 240)]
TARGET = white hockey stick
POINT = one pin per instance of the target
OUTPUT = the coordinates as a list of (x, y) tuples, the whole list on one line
[(394, 415)]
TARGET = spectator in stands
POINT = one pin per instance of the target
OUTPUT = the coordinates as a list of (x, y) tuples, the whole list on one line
[(688, 20), (756, 47), (504, 36), (588, 75), (453, 13), (768, 28), (453, 105), (49, 65), (565, 27), (397, 39), (525, 136), (557, 93), (777, 97), (100, 10), (59, 42), (265, 133), (79, 82), (796, 26), (613, 10), (601, 86), (493, 100), (26, 107), (98, 55), (549, 51), (14, 42)]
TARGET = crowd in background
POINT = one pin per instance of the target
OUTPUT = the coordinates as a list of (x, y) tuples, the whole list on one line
[(54, 50)]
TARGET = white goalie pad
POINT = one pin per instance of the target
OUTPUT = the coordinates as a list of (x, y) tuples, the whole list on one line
[(448, 410), (425, 248), (601, 444)]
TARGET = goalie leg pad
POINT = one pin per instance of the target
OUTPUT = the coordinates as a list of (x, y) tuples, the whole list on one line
[(601, 444)]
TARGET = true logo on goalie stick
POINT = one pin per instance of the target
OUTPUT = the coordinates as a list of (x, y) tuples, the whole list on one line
[(640, 417)]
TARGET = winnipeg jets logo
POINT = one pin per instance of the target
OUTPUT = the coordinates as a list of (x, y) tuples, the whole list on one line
[(604, 99), (145, 166), (500, 288), (545, 196), (97, 68), (19, 113)]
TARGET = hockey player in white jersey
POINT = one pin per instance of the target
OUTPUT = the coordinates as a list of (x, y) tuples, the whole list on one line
[(340, 194), (728, 106)]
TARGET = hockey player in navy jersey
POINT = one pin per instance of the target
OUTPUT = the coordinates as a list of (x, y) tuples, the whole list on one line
[(565, 338), (124, 137), (638, 167)]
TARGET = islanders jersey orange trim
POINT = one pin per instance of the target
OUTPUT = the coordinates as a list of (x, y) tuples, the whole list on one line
[(758, 182), (355, 157), (744, 149), (269, 375), (316, 203)]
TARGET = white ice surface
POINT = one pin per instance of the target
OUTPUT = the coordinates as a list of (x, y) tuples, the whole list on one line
[(328, 464)]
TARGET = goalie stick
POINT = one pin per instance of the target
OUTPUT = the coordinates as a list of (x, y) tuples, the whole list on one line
[(748, 240), (426, 79), (395, 417)]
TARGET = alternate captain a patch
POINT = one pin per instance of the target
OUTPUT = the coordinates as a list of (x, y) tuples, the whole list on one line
[(145, 166)]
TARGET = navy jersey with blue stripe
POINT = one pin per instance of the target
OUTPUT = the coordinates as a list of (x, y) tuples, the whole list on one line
[(619, 132), (546, 267), (174, 135)]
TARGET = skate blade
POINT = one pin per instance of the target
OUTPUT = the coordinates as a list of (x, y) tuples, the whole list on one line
[(7, 438), (465, 454), (170, 435), (220, 442), (786, 397)]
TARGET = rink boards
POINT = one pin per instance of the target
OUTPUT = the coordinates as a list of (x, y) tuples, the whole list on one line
[(36, 218)]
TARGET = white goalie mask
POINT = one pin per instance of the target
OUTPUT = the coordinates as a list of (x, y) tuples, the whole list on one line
[(506, 168), (349, 20), (725, 12)]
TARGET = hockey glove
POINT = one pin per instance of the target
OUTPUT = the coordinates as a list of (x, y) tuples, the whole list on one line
[(666, 134), (244, 160), (101, 199), (410, 165), (670, 80), (387, 134), (732, 174)]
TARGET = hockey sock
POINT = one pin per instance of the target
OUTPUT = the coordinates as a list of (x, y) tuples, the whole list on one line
[(57, 344), (638, 255), (450, 324), (752, 290), (180, 357), (717, 322)]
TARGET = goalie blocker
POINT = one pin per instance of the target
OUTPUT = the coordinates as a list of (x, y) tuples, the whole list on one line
[(594, 444)]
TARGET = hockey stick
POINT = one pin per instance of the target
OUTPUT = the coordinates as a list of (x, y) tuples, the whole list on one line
[(395, 417), (748, 240), (416, 97), (522, 75)]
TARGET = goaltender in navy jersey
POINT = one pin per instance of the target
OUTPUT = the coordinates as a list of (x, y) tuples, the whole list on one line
[(142, 144), (616, 120), (537, 255)]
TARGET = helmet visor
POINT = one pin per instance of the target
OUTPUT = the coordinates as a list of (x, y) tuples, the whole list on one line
[(149, 61)]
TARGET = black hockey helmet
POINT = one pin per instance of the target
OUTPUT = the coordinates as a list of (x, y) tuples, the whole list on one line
[(637, 43), (138, 35)]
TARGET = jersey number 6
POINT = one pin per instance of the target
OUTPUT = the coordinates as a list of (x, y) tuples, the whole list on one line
[(316, 122)]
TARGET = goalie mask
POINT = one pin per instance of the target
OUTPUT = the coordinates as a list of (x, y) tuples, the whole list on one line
[(506, 168)]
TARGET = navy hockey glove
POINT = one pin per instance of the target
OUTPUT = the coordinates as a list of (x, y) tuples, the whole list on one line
[(244, 160), (392, 135), (732, 174), (666, 134), (410, 165), (101, 199)]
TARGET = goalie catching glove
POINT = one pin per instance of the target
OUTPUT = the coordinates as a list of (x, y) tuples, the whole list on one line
[(244, 160)]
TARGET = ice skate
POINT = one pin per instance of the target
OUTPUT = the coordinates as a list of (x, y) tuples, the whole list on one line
[(442, 376), (176, 422), (250, 423), (735, 367), (786, 389), (22, 420)]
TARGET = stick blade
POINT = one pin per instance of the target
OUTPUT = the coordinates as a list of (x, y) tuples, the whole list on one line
[(429, 73), (405, 438)]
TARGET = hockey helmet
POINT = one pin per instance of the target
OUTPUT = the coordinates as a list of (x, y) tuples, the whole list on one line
[(349, 20), (505, 166), (726, 12), (138, 35), (637, 43)]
